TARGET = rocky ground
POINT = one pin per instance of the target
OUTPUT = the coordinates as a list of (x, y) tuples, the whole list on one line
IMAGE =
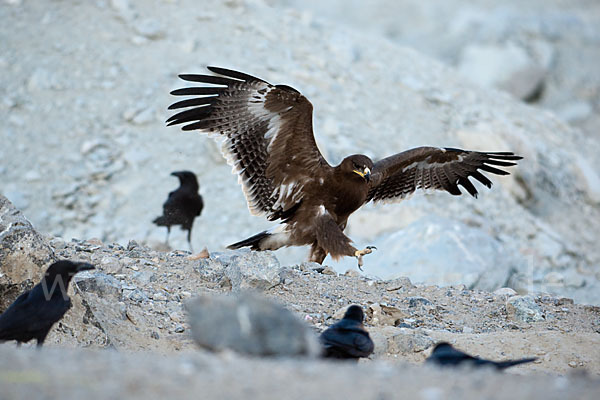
[(132, 308)]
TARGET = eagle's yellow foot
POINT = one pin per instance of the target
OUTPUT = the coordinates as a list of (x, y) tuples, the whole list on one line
[(360, 253)]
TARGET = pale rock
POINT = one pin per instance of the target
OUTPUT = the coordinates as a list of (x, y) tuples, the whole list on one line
[(505, 291), (575, 111), (524, 309), (441, 251), (588, 178), (507, 66), (150, 28), (250, 324), (24, 253), (123, 8)]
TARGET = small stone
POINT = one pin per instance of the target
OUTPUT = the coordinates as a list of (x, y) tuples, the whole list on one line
[(143, 117), (179, 329), (101, 284), (575, 111), (159, 297), (554, 278), (405, 343), (139, 40), (202, 255), (352, 273), (573, 364), (137, 296), (415, 301), (250, 269), (588, 179), (123, 9), (150, 28), (524, 309), (399, 283), (32, 176), (505, 291), (327, 270), (154, 335)]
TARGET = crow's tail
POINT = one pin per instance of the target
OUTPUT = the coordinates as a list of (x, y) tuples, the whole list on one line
[(511, 363), (161, 221)]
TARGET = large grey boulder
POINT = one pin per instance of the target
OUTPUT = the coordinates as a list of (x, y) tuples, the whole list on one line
[(250, 324), (24, 254), (443, 252)]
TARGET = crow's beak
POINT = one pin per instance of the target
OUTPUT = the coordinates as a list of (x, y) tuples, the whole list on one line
[(82, 266), (176, 173)]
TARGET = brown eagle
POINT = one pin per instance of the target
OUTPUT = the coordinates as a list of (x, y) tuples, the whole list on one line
[(268, 140)]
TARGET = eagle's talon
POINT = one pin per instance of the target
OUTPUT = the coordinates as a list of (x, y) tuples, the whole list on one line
[(360, 253)]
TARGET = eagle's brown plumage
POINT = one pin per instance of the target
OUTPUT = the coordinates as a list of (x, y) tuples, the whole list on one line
[(269, 141)]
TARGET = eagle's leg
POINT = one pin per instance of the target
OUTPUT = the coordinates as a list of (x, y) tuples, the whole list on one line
[(332, 240), (317, 253), (360, 253)]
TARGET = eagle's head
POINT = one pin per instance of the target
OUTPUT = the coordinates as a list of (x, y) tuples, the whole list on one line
[(357, 164)]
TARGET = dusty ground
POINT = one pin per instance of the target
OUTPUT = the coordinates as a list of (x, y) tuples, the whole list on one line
[(129, 318), (106, 374), (150, 287)]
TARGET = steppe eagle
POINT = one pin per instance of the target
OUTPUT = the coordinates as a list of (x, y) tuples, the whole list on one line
[(268, 140)]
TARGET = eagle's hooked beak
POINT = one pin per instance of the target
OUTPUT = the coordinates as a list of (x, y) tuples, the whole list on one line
[(365, 173)]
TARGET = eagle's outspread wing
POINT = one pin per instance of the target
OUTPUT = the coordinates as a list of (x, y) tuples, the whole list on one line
[(400, 175), (268, 135)]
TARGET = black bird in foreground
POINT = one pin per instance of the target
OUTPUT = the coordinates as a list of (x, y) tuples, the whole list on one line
[(445, 355), (183, 205), (347, 339), (34, 312)]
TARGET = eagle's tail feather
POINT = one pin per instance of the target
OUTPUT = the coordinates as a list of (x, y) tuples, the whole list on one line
[(253, 241)]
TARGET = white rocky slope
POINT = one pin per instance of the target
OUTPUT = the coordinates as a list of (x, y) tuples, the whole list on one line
[(85, 152)]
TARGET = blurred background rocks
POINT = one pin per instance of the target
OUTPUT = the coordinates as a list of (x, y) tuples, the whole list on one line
[(85, 153)]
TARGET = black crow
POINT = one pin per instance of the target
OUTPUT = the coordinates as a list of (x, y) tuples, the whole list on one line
[(445, 355), (183, 205), (33, 313), (347, 338)]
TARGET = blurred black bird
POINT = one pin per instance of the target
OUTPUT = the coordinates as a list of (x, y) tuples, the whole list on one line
[(183, 205), (445, 355), (347, 338), (34, 312)]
